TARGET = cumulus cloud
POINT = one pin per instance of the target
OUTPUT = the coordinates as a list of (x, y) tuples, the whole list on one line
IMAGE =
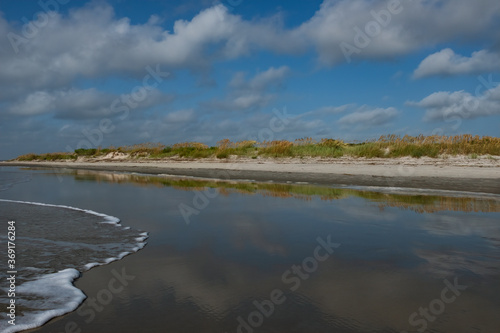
[(180, 116), (446, 62), (327, 110), (78, 104), (36, 103), (375, 31), (252, 94), (92, 42), (273, 77), (443, 105), (62, 101), (364, 117)]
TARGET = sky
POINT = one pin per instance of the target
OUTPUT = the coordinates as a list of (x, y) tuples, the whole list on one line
[(83, 74)]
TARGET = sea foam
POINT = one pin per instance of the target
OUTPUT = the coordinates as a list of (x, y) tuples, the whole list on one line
[(56, 243)]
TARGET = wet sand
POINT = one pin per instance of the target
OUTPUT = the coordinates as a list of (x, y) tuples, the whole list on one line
[(481, 176)]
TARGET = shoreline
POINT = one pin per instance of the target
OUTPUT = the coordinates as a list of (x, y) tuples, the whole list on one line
[(457, 174), (79, 257)]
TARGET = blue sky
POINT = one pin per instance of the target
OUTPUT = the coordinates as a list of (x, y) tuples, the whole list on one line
[(76, 74)]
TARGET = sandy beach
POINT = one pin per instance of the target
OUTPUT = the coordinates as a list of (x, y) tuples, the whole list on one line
[(458, 173)]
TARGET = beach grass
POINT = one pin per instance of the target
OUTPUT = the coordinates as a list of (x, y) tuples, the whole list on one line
[(47, 157), (387, 146)]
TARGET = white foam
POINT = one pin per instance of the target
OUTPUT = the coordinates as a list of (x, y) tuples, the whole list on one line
[(107, 261), (138, 247), (54, 294), (143, 237), (90, 265), (120, 256), (123, 254), (111, 259), (107, 218), (39, 294)]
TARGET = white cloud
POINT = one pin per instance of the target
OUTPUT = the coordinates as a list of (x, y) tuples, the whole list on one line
[(271, 77), (442, 105), (180, 116), (363, 118), (254, 93), (248, 101), (64, 101), (91, 42), (412, 26), (36, 103), (327, 110), (240, 102), (76, 104), (447, 62)]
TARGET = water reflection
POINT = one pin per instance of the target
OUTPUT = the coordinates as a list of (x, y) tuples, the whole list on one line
[(420, 203), (396, 252)]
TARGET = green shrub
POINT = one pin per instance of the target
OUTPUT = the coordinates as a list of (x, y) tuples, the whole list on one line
[(332, 143), (368, 150), (28, 157), (222, 154), (85, 152), (56, 156)]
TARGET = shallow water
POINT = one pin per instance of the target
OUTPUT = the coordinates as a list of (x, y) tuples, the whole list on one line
[(49, 246), (253, 257)]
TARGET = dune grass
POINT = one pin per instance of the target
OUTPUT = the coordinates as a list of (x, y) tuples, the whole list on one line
[(47, 157), (390, 146)]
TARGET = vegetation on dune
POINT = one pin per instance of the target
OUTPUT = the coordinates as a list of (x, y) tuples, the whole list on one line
[(436, 145), (47, 157), (389, 146)]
